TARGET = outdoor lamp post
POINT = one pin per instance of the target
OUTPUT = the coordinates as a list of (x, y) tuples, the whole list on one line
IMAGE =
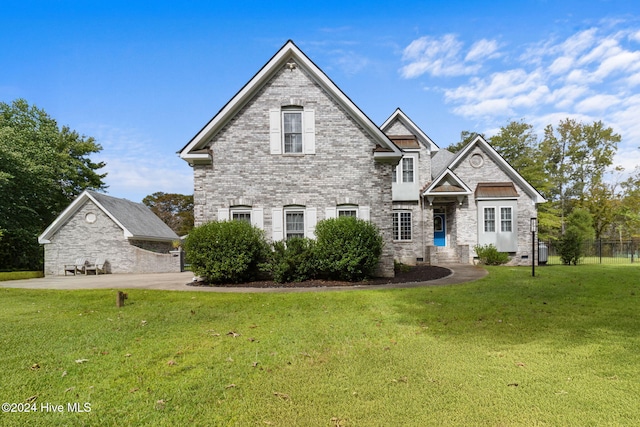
[(534, 228)]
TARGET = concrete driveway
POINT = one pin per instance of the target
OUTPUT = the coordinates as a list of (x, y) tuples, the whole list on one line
[(460, 273)]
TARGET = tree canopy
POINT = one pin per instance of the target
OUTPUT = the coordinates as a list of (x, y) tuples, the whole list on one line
[(175, 210), (42, 168), (568, 167)]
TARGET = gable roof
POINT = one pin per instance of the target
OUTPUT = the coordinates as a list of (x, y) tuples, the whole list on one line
[(135, 219), (288, 52), (479, 141), (447, 184), (422, 137)]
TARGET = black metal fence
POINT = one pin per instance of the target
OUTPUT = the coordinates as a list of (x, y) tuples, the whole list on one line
[(598, 251)]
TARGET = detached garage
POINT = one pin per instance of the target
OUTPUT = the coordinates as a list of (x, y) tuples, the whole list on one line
[(127, 235)]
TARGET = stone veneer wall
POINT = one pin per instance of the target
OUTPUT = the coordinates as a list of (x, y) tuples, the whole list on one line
[(467, 215), (103, 238), (343, 166), (408, 252)]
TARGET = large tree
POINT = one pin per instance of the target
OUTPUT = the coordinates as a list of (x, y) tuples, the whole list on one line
[(42, 168), (175, 210), (465, 138), (575, 158), (517, 143)]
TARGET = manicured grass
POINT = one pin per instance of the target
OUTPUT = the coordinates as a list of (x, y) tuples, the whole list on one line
[(18, 275), (562, 348)]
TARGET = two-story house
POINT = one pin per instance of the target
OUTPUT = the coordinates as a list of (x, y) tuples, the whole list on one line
[(290, 149)]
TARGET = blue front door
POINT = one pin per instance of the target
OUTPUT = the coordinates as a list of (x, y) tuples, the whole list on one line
[(439, 229)]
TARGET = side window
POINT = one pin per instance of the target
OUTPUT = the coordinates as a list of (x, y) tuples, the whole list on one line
[(402, 225), (489, 220), (506, 219), (407, 169)]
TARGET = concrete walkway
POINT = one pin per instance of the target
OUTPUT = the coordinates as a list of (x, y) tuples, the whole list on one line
[(460, 273)]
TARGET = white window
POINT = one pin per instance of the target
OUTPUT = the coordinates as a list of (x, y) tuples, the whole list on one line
[(402, 226), (407, 169), (506, 219), (292, 131), (294, 223), (489, 220), (497, 224), (241, 215), (348, 211)]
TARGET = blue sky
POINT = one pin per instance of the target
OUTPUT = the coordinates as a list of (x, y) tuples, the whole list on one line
[(143, 77)]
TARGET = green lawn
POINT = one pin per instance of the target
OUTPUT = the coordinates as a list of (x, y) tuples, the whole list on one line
[(19, 275), (562, 348)]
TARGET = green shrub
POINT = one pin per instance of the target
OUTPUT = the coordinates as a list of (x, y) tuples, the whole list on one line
[(579, 228), (489, 255), (226, 252), (347, 248), (292, 261), (569, 246), (399, 267)]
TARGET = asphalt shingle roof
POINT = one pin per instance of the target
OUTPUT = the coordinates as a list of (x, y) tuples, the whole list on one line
[(135, 217)]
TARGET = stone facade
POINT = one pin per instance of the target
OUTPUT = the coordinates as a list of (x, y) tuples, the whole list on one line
[(342, 170), (410, 252), (236, 169), (78, 238), (467, 215)]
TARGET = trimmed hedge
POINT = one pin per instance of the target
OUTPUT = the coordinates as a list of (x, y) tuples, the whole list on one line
[(235, 251), (227, 251), (347, 248), (292, 260)]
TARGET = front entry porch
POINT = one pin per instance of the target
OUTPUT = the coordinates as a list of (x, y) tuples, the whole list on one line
[(441, 243)]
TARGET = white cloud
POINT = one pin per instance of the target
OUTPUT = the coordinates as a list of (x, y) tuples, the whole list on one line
[(482, 49), (440, 57), (565, 96), (349, 62), (500, 93), (485, 108), (596, 103), (561, 65), (578, 43), (589, 75)]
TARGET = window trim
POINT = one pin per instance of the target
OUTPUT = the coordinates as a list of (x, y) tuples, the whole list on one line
[(397, 226)]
